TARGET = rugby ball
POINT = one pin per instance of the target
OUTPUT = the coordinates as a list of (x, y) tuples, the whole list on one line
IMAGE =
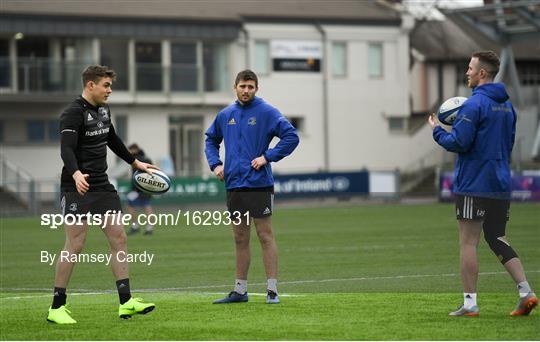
[(155, 183), (448, 111)]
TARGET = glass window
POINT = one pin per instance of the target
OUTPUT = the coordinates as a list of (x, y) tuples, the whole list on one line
[(5, 73), (184, 67), (215, 61), (461, 70), (53, 130), (32, 53), (114, 54), (396, 124), (339, 59), (35, 130), (262, 58), (297, 122), (120, 126), (528, 72), (149, 72), (375, 60)]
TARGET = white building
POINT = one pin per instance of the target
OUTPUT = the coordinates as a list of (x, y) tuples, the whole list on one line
[(338, 69)]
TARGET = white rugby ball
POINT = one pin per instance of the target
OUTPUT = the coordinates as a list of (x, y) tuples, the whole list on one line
[(448, 111), (155, 183)]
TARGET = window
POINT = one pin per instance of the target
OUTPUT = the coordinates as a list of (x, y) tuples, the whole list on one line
[(461, 70), (528, 72), (215, 61), (40, 131), (375, 60), (114, 54), (297, 122), (35, 130), (339, 59), (32, 53), (184, 67), (5, 73), (120, 126), (262, 58), (149, 72), (53, 130), (396, 124)]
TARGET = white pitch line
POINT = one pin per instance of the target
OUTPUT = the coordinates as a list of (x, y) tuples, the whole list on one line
[(153, 290), (188, 288)]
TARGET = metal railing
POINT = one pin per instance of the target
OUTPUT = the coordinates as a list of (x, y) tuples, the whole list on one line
[(45, 75), (18, 184)]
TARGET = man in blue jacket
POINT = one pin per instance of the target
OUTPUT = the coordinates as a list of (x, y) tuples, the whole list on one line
[(247, 127), (483, 136)]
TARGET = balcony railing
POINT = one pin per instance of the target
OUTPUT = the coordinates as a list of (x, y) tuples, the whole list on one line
[(44, 75)]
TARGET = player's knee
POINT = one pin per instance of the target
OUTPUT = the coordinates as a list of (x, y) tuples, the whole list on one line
[(265, 237), (501, 248), (75, 247), (241, 240), (119, 240)]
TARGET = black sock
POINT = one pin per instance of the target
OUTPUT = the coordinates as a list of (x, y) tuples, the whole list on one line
[(123, 290), (59, 297)]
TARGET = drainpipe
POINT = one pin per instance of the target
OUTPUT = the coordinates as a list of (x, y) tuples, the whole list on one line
[(324, 67), (246, 46)]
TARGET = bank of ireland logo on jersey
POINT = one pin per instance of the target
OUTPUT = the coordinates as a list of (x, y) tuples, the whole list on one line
[(252, 121)]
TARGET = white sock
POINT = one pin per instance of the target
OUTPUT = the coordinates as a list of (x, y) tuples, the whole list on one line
[(469, 300), (240, 286), (524, 289), (272, 285)]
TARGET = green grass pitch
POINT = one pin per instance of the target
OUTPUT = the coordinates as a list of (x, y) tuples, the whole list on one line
[(370, 272)]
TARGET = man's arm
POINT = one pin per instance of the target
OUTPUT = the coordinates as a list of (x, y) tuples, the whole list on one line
[(214, 137), (461, 138), (70, 124), (117, 146), (288, 140)]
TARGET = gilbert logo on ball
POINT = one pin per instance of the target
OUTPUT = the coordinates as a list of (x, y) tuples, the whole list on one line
[(448, 111), (155, 183)]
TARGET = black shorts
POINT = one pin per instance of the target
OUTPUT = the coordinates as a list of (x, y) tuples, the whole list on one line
[(481, 208), (258, 202), (98, 201)]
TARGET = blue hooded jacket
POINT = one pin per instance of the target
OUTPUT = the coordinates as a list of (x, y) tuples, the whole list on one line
[(248, 131), (483, 136)]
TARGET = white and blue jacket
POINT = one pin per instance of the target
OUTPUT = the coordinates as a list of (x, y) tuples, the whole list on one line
[(247, 131)]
